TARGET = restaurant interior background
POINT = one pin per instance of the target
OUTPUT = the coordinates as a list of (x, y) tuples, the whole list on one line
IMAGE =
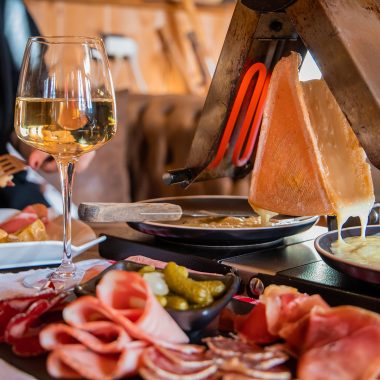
[(162, 56)]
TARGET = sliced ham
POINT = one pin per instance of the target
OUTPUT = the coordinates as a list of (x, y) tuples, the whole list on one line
[(77, 361), (18, 222), (99, 336), (122, 291), (24, 218)]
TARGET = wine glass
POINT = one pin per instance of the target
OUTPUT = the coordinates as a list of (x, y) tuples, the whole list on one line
[(65, 106)]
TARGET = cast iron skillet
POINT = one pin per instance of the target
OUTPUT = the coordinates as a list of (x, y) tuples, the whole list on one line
[(219, 236), (362, 272), (188, 320)]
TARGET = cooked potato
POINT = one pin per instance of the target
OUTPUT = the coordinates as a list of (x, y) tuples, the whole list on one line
[(3, 236), (34, 232)]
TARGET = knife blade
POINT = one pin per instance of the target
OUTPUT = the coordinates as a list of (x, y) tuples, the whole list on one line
[(143, 211)]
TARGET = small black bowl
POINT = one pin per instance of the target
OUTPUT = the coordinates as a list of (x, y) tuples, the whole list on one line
[(188, 320)]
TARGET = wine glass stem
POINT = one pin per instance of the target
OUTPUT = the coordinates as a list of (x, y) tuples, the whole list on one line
[(66, 171)]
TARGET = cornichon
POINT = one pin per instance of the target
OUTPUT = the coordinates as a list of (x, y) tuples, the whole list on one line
[(179, 283), (147, 269), (162, 300), (215, 287), (177, 303)]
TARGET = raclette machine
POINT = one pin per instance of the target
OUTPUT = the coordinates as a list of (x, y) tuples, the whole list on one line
[(343, 37)]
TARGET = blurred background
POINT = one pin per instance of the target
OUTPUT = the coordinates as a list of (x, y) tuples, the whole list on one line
[(162, 57)]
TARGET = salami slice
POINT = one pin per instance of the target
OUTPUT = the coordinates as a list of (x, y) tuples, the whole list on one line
[(168, 369), (10, 307), (22, 331)]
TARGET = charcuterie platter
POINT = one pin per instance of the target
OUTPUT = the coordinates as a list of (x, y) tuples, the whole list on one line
[(116, 318)]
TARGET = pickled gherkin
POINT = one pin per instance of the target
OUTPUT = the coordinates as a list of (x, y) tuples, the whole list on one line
[(179, 283), (147, 269), (177, 303), (216, 287), (162, 300)]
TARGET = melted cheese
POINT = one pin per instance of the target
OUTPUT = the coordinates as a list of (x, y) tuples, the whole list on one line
[(358, 250)]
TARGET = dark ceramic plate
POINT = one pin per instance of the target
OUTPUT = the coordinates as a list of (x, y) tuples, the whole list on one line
[(188, 320), (362, 272), (233, 205)]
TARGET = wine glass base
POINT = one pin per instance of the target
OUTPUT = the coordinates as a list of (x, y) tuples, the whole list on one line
[(49, 279)]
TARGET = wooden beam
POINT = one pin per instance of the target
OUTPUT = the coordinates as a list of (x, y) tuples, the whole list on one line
[(343, 37)]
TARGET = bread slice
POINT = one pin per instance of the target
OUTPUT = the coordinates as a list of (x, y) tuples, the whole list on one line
[(309, 161)]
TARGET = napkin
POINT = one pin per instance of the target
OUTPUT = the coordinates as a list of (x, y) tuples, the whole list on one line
[(12, 373), (11, 283)]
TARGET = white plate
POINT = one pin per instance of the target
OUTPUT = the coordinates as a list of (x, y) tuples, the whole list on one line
[(16, 255)]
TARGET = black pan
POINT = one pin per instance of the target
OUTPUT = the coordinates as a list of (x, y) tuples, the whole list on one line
[(362, 272), (233, 205)]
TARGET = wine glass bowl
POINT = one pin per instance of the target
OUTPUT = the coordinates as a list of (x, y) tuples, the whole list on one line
[(65, 106)]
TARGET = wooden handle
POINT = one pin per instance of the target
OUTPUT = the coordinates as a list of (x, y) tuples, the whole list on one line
[(128, 212)]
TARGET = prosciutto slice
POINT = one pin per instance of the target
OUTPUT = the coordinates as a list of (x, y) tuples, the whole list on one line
[(329, 325), (354, 357), (282, 309), (333, 343)]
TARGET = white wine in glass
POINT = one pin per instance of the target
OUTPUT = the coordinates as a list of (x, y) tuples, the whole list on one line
[(65, 106)]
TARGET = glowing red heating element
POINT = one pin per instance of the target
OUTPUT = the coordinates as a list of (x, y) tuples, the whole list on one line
[(251, 121)]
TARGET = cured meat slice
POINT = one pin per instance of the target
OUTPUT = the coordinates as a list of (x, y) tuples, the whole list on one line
[(228, 347), (99, 336), (118, 293), (354, 357), (285, 305), (170, 370), (77, 361), (329, 325), (18, 222), (10, 307), (122, 291), (24, 218), (257, 318), (39, 209), (22, 331), (185, 360), (305, 146), (280, 311)]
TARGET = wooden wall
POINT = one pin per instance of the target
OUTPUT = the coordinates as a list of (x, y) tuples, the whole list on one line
[(173, 71)]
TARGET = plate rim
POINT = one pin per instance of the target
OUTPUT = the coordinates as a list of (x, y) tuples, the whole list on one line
[(307, 220), (340, 260)]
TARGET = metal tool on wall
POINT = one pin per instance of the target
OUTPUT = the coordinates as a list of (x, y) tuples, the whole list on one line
[(341, 36)]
